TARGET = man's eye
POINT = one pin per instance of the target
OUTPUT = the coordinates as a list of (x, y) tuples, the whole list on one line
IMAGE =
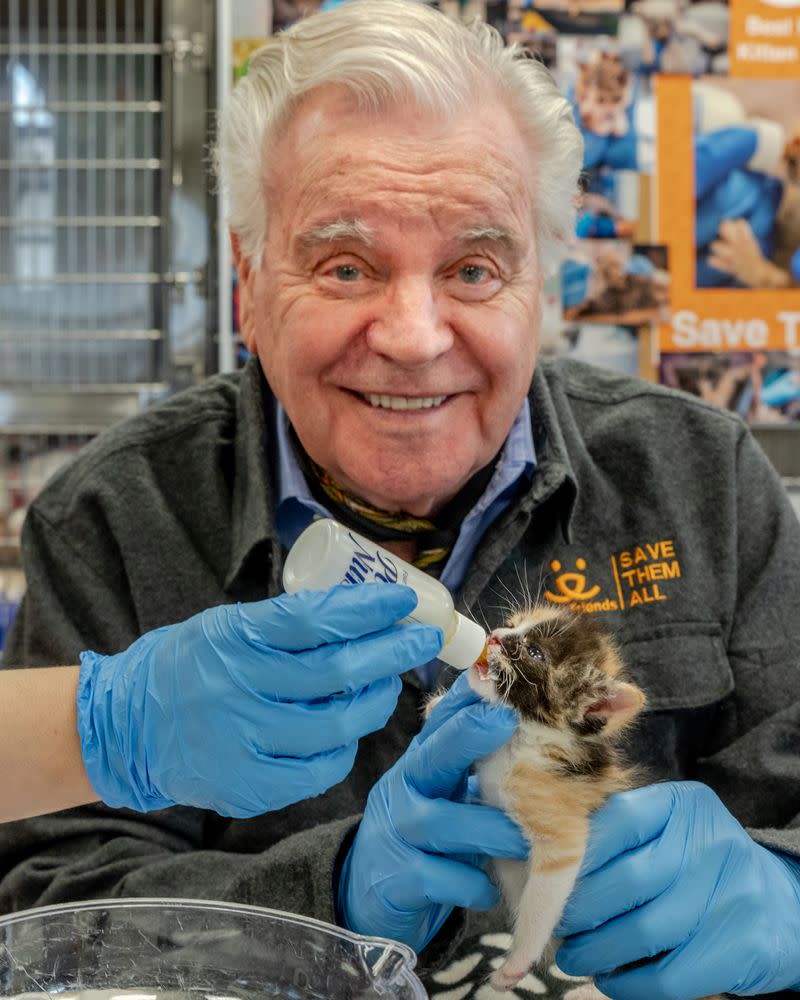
[(347, 272), (473, 274)]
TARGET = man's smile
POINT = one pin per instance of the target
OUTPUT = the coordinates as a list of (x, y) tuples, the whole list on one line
[(400, 402), (403, 402)]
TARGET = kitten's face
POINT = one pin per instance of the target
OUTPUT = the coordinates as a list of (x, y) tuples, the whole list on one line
[(559, 668)]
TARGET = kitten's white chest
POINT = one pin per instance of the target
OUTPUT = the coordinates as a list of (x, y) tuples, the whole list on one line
[(531, 743), (492, 771)]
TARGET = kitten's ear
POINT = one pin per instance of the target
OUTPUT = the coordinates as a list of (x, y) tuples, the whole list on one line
[(618, 705)]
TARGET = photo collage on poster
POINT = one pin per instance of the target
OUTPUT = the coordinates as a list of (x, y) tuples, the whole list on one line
[(685, 268)]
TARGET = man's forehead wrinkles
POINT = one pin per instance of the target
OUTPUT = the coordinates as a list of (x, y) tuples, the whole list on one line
[(418, 173), (352, 195), (473, 214)]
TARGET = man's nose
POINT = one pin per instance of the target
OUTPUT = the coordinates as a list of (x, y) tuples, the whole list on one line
[(411, 328)]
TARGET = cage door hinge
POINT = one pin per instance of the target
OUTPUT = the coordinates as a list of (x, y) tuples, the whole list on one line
[(178, 281), (180, 46)]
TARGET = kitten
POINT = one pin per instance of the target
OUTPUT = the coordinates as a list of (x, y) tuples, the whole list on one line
[(561, 671)]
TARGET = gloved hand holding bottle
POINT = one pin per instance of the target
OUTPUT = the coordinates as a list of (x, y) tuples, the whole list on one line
[(247, 708), (420, 848), (669, 874)]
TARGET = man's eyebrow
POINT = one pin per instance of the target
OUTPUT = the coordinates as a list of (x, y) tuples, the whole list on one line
[(331, 232), (358, 231), (491, 234)]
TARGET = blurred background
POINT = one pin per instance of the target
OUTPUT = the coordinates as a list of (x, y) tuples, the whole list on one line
[(109, 270), (116, 285)]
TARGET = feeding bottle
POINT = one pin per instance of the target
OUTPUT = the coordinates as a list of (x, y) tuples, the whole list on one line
[(327, 554)]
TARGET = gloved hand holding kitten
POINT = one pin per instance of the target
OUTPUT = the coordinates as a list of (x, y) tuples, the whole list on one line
[(670, 873), (420, 847)]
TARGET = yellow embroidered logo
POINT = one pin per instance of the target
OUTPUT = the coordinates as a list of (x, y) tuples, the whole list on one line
[(639, 578), (571, 586), (638, 572)]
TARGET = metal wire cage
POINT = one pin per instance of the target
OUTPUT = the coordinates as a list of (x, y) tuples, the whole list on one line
[(83, 235), (103, 130)]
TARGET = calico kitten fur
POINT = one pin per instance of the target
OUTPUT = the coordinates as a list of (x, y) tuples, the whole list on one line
[(562, 672)]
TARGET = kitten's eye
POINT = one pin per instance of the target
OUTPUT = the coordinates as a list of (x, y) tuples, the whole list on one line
[(534, 652)]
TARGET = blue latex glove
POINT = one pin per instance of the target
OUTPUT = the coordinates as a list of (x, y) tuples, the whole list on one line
[(670, 872), (719, 152), (639, 264), (575, 278), (419, 848), (781, 388), (246, 708), (596, 226)]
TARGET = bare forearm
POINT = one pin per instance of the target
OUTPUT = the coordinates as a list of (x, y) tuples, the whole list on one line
[(41, 767)]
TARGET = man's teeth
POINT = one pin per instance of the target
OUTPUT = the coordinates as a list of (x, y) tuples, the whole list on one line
[(405, 402)]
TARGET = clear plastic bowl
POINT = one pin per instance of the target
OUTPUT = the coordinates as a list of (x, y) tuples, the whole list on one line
[(164, 949)]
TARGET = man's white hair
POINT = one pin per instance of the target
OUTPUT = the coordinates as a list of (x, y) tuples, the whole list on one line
[(385, 52)]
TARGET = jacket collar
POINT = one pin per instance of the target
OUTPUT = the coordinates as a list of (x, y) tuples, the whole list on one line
[(253, 533), (552, 422)]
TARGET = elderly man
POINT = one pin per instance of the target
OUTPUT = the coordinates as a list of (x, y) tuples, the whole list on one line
[(399, 185)]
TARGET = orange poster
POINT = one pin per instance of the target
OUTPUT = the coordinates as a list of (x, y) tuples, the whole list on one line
[(731, 231), (765, 38)]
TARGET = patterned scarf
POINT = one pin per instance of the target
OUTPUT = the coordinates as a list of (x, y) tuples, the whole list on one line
[(434, 539)]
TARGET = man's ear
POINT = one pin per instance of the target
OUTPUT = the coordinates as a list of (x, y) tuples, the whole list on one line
[(246, 274)]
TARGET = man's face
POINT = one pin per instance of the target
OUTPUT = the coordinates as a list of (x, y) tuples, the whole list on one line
[(396, 310)]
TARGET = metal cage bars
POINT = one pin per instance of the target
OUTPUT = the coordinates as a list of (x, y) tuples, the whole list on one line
[(83, 195)]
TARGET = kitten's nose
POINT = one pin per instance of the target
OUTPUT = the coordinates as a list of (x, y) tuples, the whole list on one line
[(510, 645), (493, 640)]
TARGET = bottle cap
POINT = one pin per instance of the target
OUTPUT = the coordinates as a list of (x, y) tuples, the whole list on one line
[(465, 645)]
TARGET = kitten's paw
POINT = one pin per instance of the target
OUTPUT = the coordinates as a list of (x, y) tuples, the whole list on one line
[(506, 976)]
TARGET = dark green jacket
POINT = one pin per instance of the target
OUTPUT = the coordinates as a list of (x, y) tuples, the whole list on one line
[(650, 508)]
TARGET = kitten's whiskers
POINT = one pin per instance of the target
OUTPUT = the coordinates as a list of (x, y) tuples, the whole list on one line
[(514, 604), (504, 678), (528, 680), (522, 579), (474, 613)]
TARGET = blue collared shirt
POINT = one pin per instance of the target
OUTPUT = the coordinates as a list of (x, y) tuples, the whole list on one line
[(517, 461)]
